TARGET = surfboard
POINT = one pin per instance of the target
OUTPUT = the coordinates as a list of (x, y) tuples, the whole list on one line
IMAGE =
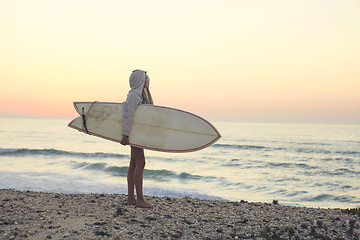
[(154, 127)]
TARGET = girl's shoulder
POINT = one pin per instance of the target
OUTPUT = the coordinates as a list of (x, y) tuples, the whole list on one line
[(133, 96)]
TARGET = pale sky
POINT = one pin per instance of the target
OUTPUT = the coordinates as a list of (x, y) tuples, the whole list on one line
[(259, 60)]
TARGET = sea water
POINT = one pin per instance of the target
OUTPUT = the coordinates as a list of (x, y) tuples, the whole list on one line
[(296, 164)]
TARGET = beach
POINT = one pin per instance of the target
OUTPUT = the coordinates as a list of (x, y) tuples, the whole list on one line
[(43, 215)]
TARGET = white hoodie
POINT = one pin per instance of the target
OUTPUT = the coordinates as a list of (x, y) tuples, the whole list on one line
[(134, 98)]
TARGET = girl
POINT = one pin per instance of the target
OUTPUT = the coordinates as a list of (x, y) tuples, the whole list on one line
[(139, 93)]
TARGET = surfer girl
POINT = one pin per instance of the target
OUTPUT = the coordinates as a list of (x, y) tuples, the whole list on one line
[(139, 93)]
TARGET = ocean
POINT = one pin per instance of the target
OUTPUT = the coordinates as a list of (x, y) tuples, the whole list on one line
[(309, 165)]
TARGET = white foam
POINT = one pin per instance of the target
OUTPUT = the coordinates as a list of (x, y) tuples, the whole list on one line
[(50, 182)]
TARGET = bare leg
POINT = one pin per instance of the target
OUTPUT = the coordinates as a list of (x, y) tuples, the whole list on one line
[(130, 180), (139, 157)]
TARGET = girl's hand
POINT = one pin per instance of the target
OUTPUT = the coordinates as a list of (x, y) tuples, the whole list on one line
[(125, 140)]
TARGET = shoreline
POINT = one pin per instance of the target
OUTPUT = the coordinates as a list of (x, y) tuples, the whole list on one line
[(43, 215)]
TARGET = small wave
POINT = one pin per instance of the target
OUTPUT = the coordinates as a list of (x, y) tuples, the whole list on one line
[(347, 171), (56, 153), (96, 166), (117, 171), (315, 143), (112, 170), (286, 179), (296, 193), (189, 176), (329, 197), (312, 150), (291, 165), (4, 151), (341, 172), (343, 160), (348, 152), (79, 165), (161, 175), (320, 197), (232, 165), (235, 146)]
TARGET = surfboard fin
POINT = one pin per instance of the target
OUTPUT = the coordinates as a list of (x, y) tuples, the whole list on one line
[(84, 121)]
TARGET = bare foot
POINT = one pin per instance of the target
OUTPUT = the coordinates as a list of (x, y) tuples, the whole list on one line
[(143, 204), (131, 201)]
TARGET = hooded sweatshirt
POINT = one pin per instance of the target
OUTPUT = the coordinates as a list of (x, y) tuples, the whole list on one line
[(134, 98)]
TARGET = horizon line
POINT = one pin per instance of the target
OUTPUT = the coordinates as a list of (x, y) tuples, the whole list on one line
[(215, 119)]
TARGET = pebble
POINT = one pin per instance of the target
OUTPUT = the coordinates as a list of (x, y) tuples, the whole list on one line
[(38, 215)]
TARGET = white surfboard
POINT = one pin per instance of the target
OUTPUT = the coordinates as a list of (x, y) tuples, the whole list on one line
[(154, 127)]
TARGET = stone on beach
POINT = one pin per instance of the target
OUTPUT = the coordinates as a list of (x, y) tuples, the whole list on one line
[(39, 215)]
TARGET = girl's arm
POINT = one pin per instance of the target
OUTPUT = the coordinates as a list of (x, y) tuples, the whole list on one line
[(129, 108)]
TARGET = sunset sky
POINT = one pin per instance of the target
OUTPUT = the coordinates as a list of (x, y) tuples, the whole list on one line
[(259, 60)]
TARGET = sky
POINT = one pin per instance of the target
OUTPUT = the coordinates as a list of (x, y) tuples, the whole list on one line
[(233, 60)]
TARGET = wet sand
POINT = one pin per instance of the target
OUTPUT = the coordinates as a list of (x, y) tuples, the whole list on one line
[(39, 215)]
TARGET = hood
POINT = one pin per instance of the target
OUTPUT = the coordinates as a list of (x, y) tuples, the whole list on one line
[(137, 81)]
